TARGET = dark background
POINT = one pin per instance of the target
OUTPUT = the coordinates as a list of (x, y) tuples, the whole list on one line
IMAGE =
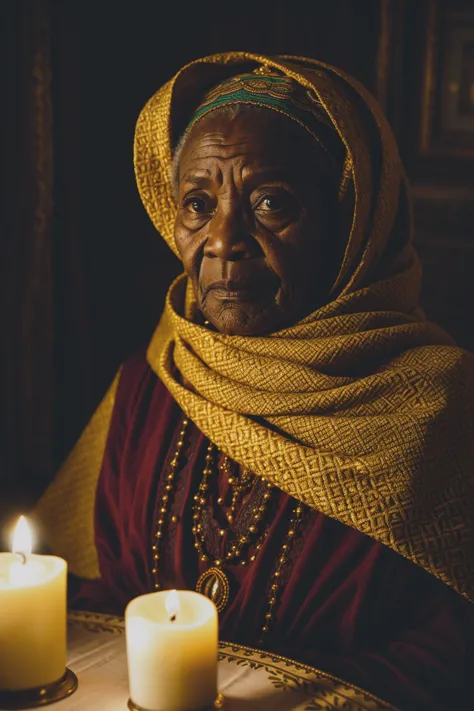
[(83, 272)]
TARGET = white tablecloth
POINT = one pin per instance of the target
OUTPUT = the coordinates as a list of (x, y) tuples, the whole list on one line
[(251, 680)]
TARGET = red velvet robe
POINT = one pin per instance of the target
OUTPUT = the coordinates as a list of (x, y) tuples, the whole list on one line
[(348, 604)]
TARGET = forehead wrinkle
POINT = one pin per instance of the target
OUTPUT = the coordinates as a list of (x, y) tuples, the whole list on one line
[(220, 141), (222, 155), (197, 177), (225, 146), (245, 172), (215, 153), (217, 137), (197, 173)]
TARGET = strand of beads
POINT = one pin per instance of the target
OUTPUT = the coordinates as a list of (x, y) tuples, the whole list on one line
[(165, 504), (276, 577), (240, 485), (237, 548)]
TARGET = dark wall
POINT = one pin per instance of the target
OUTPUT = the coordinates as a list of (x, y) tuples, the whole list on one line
[(71, 316), (428, 75)]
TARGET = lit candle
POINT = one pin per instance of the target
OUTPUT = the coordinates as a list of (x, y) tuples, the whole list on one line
[(172, 640), (32, 616)]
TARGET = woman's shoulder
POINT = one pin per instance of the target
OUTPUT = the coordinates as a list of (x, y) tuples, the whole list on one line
[(137, 380), (135, 364), (143, 406)]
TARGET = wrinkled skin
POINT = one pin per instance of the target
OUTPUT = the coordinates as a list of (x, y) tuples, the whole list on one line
[(256, 226)]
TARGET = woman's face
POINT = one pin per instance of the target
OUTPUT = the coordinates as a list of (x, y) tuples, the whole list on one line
[(253, 223)]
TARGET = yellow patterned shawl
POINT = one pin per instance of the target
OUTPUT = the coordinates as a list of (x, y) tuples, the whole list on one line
[(363, 410)]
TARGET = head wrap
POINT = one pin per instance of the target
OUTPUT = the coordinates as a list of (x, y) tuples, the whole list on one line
[(362, 410)]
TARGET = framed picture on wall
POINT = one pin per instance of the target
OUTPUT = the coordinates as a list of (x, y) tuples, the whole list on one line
[(425, 82), (447, 111)]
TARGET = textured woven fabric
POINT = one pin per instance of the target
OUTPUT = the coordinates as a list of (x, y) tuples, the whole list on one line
[(362, 410)]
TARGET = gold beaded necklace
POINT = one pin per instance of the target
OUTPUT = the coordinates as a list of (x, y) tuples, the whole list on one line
[(214, 582)]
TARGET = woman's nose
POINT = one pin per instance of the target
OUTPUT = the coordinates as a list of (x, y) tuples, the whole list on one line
[(228, 239)]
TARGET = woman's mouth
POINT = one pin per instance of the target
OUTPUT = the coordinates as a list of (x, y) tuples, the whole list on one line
[(234, 291)]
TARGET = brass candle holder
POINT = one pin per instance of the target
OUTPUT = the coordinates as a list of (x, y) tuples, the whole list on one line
[(40, 695), (218, 705)]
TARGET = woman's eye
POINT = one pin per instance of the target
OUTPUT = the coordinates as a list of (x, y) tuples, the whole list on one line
[(196, 204), (276, 210), (273, 203)]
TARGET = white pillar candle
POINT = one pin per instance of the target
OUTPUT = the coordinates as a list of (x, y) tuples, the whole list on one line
[(172, 640), (32, 617)]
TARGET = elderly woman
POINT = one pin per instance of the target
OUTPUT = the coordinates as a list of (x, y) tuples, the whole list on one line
[(294, 442)]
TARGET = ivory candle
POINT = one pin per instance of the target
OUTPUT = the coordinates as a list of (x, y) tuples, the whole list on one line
[(32, 616), (172, 640)]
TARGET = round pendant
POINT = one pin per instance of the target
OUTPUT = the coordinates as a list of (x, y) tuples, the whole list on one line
[(214, 585)]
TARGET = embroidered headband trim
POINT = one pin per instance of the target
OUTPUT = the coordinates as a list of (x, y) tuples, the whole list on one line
[(281, 94)]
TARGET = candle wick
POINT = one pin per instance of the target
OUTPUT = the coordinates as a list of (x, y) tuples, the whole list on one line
[(173, 618), (22, 556)]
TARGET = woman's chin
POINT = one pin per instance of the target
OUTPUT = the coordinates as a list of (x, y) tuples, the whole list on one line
[(238, 319), (239, 322)]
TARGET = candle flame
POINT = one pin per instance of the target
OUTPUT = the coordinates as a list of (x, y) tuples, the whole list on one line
[(22, 538), (172, 604)]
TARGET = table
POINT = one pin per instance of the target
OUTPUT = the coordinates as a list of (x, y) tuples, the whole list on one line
[(251, 680)]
